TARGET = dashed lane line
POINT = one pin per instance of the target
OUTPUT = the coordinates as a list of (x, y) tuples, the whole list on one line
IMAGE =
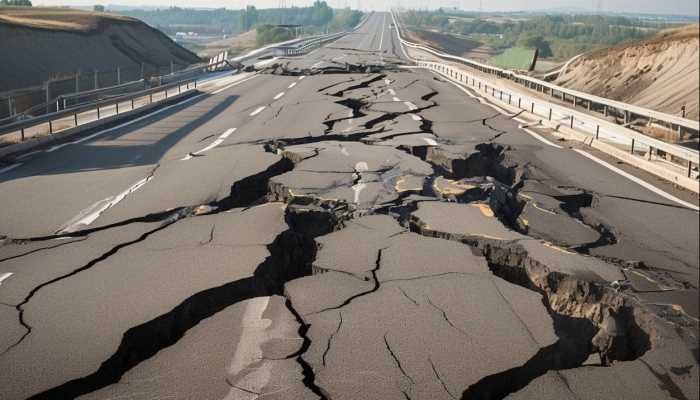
[(5, 276), (257, 111), (213, 144), (90, 214), (279, 96)]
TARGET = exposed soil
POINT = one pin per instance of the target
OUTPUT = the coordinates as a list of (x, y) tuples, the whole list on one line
[(660, 73)]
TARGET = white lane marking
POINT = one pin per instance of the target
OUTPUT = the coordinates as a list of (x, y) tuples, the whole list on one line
[(531, 133), (357, 189), (416, 117), (133, 121), (291, 85), (410, 105), (541, 139), (381, 39), (396, 99), (279, 96), (90, 214), (388, 82), (233, 84), (249, 349), (5, 276), (257, 111), (302, 77), (638, 181), (9, 168), (392, 92), (213, 144), (430, 141)]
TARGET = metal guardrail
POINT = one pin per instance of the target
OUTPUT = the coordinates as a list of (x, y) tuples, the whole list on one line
[(22, 125), (595, 127), (589, 124), (593, 102), (62, 100)]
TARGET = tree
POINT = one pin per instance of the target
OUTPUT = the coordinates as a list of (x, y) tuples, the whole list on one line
[(249, 18), (18, 3), (98, 8), (535, 42)]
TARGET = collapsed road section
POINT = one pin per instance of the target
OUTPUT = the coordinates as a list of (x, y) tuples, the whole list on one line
[(371, 233)]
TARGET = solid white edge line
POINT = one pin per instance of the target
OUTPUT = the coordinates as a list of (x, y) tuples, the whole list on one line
[(291, 85), (541, 139), (633, 178), (638, 181), (530, 132), (82, 219), (257, 111)]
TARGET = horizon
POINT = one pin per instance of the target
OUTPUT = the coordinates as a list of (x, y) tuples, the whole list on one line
[(684, 8)]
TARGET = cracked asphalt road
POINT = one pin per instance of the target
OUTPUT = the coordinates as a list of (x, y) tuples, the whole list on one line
[(370, 232)]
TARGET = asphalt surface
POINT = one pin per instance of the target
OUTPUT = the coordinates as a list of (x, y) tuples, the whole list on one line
[(339, 226)]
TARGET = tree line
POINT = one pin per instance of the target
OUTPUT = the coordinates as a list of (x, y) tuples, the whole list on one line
[(556, 36)]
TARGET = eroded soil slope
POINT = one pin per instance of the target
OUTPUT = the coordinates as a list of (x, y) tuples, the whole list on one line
[(42, 43), (660, 73)]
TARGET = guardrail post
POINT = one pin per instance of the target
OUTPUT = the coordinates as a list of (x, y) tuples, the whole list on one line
[(116, 106), (22, 133), (179, 88), (532, 107), (572, 122), (550, 114), (632, 148), (50, 128), (574, 101), (690, 168), (519, 101), (597, 131), (132, 103), (150, 98), (510, 97), (98, 112), (195, 84), (75, 119)]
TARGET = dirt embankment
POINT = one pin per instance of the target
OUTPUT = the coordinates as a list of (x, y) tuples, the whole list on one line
[(234, 45), (42, 43), (660, 73)]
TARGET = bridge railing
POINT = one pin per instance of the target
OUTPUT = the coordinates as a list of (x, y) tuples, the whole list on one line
[(70, 117)]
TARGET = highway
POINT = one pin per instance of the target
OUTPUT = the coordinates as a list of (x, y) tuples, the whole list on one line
[(340, 225)]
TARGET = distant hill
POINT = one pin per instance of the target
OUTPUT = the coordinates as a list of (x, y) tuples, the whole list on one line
[(659, 73), (41, 43)]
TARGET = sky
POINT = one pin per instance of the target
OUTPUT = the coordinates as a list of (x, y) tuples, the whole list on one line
[(683, 7)]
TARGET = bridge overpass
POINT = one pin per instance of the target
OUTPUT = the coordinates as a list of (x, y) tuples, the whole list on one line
[(346, 221)]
